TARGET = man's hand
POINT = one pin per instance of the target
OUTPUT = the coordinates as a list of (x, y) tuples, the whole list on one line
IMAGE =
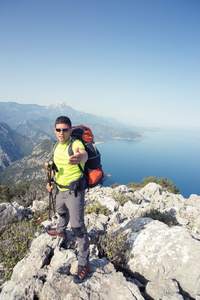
[(49, 187), (79, 156)]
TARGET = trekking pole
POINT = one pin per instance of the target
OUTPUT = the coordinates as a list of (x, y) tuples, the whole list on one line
[(48, 166)]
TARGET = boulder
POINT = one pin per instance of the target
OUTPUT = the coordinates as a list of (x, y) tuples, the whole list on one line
[(162, 253), (163, 289), (41, 205), (10, 213)]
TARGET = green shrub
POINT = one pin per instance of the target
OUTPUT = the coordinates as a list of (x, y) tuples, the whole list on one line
[(166, 184), (134, 185), (5, 194), (15, 242), (114, 185), (97, 208), (24, 193), (121, 198), (114, 247), (157, 215)]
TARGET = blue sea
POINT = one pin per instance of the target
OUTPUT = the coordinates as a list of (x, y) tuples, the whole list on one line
[(174, 154)]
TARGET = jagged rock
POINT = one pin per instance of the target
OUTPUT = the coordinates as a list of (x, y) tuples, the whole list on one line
[(185, 211), (132, 227), (151, 189), (139, 197), (163, 289), (106, 201), (121, 189), (163, 260), (41, 252), (102, 283), (104, 196), (10, 213), (52, 222), (41, 205), (160, 252), (47, 275), (132, 210), (194, 200), (96, 225), (115, 219)]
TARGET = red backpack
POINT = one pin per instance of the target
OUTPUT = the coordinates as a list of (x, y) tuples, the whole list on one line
[(92, 172)]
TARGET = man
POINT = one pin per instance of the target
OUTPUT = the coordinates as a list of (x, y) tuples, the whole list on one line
[(70, 205)]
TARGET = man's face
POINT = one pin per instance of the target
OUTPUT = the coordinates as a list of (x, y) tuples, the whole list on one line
[(62, 136)]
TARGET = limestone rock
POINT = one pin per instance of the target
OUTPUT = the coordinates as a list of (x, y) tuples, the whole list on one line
[(160, 252), (96, 225), (47, 275), (10, 213), (163, 289), (161, 261), (40, 205)]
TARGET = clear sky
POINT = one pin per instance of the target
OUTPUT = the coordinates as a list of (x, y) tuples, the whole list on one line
[(134, 60)]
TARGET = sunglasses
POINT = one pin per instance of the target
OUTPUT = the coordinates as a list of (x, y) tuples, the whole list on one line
[(64, 130)]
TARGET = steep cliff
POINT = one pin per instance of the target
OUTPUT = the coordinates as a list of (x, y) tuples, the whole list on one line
[(13, 146)]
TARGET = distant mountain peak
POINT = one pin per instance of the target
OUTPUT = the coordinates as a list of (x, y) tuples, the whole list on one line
[(59, 105)]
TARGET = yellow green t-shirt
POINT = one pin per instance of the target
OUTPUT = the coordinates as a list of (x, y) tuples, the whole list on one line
[(66, 172)]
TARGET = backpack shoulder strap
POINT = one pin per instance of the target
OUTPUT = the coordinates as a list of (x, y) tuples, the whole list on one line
[(70, 150), (54, 167), (70, 146), (53, 149), (54, 146)]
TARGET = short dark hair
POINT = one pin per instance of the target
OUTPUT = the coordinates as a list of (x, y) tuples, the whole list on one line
[(63, 120)]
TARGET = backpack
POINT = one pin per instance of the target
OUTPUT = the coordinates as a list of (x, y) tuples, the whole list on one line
[(93, 173)]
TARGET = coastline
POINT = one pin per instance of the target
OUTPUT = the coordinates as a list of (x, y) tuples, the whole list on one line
[(128, 139), (120, 138)]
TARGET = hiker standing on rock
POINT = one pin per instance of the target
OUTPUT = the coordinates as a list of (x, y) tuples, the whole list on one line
[(70, 205)]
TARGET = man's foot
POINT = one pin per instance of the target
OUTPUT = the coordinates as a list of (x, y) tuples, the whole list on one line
[(80, 273), (53, 231)]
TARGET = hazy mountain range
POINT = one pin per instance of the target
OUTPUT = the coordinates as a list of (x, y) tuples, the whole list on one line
[(23, 126), (37, 122)]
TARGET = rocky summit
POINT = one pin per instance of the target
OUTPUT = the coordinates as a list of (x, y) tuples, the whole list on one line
[(162, 261)]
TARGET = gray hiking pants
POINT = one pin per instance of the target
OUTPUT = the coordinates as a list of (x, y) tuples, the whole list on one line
[(71, 208)]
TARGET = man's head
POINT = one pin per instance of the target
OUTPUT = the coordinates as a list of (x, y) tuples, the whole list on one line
[(63, 129), (63, 120)]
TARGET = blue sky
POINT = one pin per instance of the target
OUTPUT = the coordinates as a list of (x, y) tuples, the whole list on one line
[(134, 60)]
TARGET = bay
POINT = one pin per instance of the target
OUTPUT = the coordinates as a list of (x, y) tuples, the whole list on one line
[(170, 153)]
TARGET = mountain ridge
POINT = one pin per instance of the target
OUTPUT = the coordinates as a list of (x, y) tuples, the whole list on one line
[(13, 145), (36, 123), (14, 114)]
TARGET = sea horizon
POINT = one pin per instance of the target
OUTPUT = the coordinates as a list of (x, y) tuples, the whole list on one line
[(171, 153)]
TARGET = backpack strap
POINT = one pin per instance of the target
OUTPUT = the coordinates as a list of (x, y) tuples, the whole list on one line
[(54, 167), (70, 150), (84, 175)]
